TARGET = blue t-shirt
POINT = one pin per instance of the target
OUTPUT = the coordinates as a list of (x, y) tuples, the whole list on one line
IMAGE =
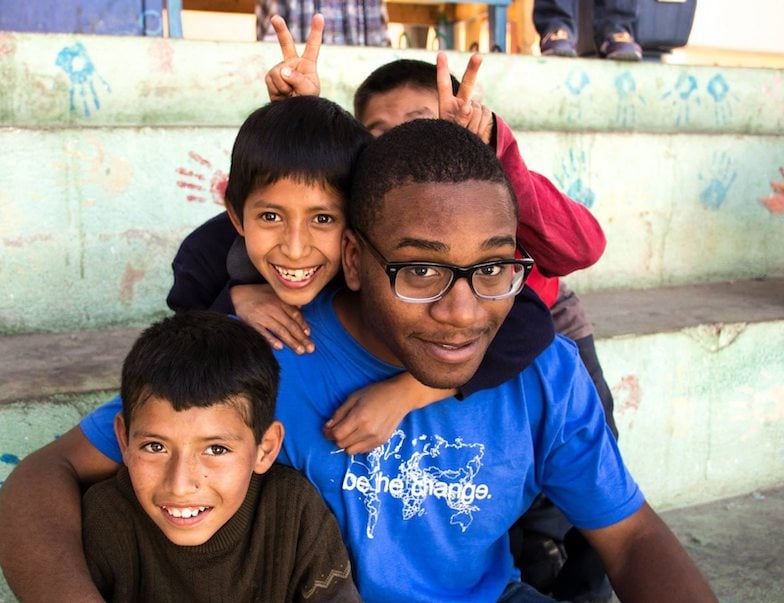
[(425, 516)]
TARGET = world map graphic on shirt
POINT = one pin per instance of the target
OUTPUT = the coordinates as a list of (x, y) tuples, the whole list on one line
[(411, 471)]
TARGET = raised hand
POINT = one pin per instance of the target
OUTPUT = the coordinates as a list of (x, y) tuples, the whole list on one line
[(295, 75), (459, 108)]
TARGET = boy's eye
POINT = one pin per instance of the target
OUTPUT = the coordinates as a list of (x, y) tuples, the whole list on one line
[(216, 450), (324, 219), (269, 216), (154, 447)]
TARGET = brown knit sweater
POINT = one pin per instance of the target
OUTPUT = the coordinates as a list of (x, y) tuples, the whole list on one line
[(283, 544)]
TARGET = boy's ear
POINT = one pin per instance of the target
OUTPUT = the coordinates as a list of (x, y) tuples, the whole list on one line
[(235, 219), (351, 263), (269, 447), (121, 433)]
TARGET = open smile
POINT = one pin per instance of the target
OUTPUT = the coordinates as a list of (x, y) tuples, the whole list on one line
[(295, 275), (182, 516)]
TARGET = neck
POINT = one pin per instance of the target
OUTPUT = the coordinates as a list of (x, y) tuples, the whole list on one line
[(349, 312)]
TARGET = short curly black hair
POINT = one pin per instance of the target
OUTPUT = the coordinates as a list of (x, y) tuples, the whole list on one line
[(419, 151)]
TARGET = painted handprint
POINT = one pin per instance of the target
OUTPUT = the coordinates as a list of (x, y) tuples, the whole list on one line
[(719, 91), (628, 99), (203, 180), (683, 95), (571, 178), (775, 202), (81, 73), (719, 180)]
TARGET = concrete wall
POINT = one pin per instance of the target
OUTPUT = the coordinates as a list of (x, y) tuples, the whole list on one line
[(114, 148), (700, 411)]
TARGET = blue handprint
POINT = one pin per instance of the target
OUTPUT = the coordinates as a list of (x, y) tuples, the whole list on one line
[(80, 69), (719, 181), (576, 81), (626, 113), (571, 180), (719, 91), (681, 94)]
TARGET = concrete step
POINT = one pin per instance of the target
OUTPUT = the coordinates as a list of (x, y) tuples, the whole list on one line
[(697, 373)]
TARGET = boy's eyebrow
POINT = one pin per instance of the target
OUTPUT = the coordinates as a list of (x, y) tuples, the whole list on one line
[(410, 115), (216, 437), (261, 202), (430, 245)]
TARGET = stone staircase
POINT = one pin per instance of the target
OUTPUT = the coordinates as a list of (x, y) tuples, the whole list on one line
[(111, 157)]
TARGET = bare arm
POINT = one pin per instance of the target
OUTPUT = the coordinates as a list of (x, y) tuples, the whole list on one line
[(646, 563), (41, 520)]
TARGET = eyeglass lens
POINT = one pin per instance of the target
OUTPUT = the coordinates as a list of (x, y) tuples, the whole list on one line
[(491, 280)]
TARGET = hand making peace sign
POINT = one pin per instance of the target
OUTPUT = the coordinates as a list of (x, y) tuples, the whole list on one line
[(296, 75), (459, 108)]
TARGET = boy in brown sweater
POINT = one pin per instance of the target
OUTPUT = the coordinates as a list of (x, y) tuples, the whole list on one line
[(200, 512)]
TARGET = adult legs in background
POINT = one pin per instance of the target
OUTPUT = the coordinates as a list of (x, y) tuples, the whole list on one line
[(556, 23), (550, 15), (614, 23), (611, 16)]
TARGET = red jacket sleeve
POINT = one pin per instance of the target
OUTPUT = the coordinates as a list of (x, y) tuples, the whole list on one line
[(560, 234)]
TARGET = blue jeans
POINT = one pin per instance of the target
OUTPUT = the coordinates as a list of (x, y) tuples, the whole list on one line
[(520, 592), (609, 16)]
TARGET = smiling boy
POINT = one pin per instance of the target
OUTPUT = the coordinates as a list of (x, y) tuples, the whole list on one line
[(200, 512)]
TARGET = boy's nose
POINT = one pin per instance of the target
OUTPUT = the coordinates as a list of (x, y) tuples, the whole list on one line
[(182, 475), (297, 242)]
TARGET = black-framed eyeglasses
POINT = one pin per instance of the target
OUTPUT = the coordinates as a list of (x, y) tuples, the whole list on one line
[(424, 282)]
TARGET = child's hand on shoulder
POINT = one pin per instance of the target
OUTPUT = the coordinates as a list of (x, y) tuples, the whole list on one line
[(280, 323), (369, 416)]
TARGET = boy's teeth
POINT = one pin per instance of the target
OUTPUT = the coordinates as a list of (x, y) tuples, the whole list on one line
[(186, 512), (296, 274)]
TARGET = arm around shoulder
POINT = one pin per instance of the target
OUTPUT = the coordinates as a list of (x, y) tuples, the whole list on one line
[(41, 523), (646, 563)]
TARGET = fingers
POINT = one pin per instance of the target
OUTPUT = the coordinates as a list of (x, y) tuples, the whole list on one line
[(313, 43), (485, 129), (443, 84), (282, 329), (285, 39), (475, 117), (340, 413), (353, 428), (353, 441), (274, 342), (277, 87), (469, 77)]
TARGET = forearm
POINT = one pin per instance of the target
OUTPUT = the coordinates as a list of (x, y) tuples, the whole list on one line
[(652, 566), (40, 532)]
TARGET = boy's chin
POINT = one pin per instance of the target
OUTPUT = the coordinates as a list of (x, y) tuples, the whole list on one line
[(299, 297)]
